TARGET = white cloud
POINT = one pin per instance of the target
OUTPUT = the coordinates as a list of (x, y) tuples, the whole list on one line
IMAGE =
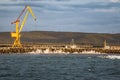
[(115, 1), (112, 10)]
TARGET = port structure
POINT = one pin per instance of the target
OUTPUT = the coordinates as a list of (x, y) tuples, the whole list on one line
[(106, 46), (19, 27)]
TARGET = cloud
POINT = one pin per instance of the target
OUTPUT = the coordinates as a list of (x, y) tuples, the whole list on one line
[(111, 10), (115, 1), (63, 15)]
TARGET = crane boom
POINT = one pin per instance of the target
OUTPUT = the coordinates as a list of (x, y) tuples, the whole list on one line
[(18, 19), (22, 13), (24, 20), (30, 10)]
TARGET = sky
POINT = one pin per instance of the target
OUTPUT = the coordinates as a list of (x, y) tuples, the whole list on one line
[(91, 16)]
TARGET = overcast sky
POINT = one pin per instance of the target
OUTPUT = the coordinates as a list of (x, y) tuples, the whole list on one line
[(97, 16)]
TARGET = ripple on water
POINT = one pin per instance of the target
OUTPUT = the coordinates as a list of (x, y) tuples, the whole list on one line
[(58, 67)]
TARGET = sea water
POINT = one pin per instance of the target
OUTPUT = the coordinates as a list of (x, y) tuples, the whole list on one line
[(59, 67)]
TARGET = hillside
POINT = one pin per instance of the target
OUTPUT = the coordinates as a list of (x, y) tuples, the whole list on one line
[(63, 37)]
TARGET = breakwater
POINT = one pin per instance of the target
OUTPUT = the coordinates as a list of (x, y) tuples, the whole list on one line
[(9, 50), (48, 49)]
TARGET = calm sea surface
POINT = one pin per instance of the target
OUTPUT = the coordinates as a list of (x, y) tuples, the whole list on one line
[(58, 67)]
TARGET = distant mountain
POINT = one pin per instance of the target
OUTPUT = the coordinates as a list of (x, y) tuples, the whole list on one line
[(63, 37)]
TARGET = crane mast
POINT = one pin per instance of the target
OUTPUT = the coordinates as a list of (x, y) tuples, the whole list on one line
[(16, 34)]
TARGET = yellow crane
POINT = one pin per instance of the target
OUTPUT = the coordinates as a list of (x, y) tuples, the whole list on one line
[(16, 34)]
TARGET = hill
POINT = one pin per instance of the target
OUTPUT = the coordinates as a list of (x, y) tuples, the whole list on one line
[(63, 37)]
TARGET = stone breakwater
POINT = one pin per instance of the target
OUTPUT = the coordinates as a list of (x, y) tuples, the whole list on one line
[(10, 50)]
